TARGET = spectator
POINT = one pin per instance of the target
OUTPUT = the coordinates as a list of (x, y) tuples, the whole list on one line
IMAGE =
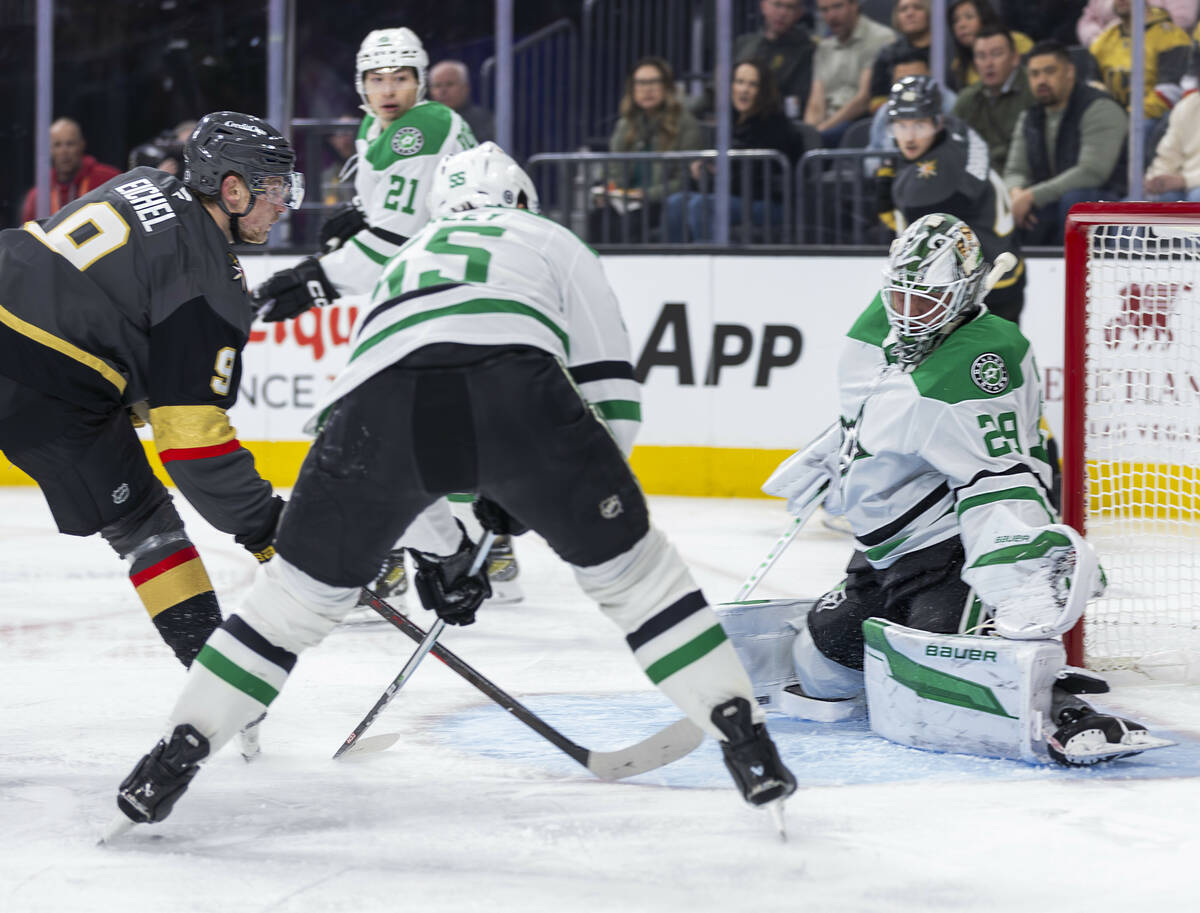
[(1099, 15), (992, 105), (1175, 172), (841, 88), (1168, 52), (1069, 147), (450, 83), (758, 123), (652, 119), (913, 62), (1040, 19), (941, 169), (786, 45), (910, 19), (74, 173), (967, 19)]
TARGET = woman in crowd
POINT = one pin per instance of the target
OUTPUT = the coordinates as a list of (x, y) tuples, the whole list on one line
[(652, 119), (967, 19), (911, 21), (758, 123)]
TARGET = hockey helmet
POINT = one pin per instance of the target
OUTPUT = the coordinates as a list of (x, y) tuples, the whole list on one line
[(932, 284), (477, 178), (388, 50), (226, 142), (913, 98)]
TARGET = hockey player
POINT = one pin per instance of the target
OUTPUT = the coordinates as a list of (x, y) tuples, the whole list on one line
[(468, 340), (401, 141), (126, 304), (938, 463), (945, 168)]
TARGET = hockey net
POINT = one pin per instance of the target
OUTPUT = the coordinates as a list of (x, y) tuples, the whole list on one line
[(1131, 443)]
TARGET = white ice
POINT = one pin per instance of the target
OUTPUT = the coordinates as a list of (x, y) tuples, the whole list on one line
[(469, 811)]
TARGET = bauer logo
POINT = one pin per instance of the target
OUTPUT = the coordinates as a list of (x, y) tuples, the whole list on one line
[(407, 141), (989, 373), (973, 654)]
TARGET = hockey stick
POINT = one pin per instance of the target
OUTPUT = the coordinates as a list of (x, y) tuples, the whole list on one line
[(426, 644), (781, 544), (665, 746)]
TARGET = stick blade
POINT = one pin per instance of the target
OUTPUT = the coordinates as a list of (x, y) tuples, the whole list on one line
[(667, 745), (368, 745), (119, 825)]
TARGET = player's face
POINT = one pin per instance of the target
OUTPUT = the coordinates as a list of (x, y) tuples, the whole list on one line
[(911, 17), (965, 24), (649, 91), (256, 226), (914, 136), (916, 309), (745, 88), (390, 94), (994, 60)]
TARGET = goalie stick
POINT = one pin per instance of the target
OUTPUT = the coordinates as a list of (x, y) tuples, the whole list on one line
[(426, 644), (663, 747)]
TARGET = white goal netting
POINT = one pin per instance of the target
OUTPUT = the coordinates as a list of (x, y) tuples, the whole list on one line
[(1142, 450)]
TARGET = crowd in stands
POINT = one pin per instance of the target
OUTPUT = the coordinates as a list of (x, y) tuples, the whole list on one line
[(1049, 102)]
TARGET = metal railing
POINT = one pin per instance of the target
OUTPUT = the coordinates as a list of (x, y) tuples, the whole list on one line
[(835, 201), (546, 75), (321, 163), (648, 197)]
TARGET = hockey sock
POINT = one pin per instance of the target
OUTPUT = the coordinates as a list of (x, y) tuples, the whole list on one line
[(674, 634), (174, 587)]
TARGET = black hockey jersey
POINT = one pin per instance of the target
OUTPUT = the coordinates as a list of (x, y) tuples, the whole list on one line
[(954, 177), (129, 296)]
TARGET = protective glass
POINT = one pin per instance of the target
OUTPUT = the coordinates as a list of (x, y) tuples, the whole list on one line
[(281, 189)]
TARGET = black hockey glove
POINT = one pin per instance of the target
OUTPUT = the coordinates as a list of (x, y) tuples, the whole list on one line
[(262, 544), (291, 292), (493, 517), (445, 586), (344, 222)]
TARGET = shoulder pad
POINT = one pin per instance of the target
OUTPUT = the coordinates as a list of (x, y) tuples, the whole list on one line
[(980, 360), (421, 131)]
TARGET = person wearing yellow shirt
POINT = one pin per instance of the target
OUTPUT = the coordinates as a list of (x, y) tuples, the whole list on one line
[(1168, 49)]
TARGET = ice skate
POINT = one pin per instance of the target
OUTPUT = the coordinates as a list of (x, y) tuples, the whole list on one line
[(750, 755), (503, 570), (149, 793), (390, 584), (1085, 737)]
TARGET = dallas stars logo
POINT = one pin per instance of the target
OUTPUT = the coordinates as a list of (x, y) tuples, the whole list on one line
[(407, 141), (989, 373), (927, 168)]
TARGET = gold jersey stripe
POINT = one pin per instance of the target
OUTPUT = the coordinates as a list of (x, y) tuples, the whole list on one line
[(183, 427), (174, 586), (37, 334)]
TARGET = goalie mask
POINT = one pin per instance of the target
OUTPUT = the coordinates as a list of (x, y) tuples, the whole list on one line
[(932, 284), (389, 50), (226, 142), (478, 178)]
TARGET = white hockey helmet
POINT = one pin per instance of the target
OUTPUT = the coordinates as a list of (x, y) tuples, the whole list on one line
[(391, 49), (932, 283), (477, 178)]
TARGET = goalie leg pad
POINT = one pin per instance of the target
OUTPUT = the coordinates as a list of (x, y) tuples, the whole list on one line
[(674, 634), (960, 693), (762, 634)]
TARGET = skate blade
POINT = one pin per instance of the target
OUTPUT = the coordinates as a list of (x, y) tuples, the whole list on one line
[(1134, 743), (118, 826), (777, 809)]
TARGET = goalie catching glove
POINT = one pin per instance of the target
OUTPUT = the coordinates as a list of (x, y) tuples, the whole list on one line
[(808, 472), (291, 292), (447, 586)]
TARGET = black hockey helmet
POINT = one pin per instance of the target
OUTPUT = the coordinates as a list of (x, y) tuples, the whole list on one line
[(913, 98), (226, 142)]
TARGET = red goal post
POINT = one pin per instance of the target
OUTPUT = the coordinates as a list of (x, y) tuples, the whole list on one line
[(1131, 435)]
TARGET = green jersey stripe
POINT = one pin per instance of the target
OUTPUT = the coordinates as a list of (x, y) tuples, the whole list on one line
[(1023, 493), (699, 646), (619, 408), (233, 674), (474, 306), (372, 255)]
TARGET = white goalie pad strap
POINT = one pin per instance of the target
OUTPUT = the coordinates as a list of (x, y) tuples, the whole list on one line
[(293, 610), (434, 530), (960, 693), (1047, 599), (800, 477), (762, 634)]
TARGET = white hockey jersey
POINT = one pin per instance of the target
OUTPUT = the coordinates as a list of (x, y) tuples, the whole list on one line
[(395, 170), (953, 448), (500, 277)]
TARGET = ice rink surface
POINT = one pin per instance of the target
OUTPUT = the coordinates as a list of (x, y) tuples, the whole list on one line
[(471, 811)]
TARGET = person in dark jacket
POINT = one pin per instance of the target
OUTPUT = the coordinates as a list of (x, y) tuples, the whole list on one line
[(787, 46), (758, 123), (911, 20)]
